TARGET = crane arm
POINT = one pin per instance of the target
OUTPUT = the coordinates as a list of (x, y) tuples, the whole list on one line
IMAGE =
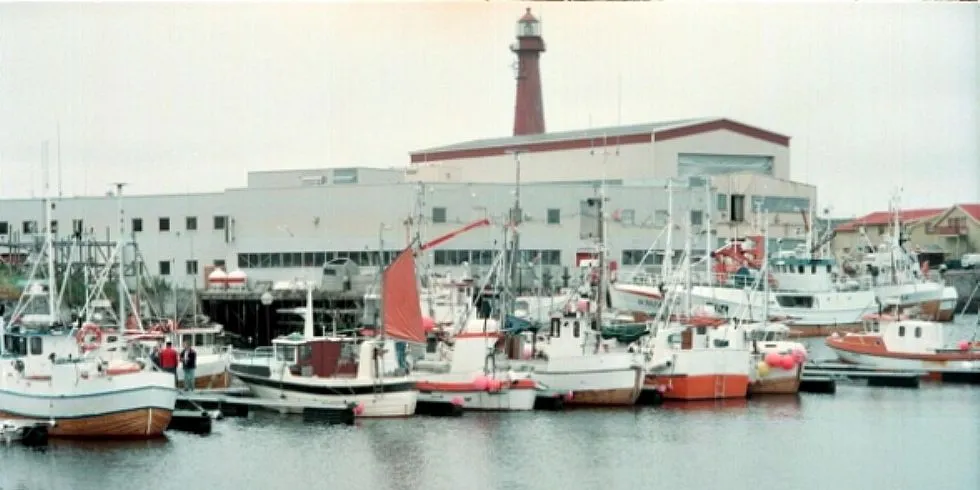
[(435, 242)]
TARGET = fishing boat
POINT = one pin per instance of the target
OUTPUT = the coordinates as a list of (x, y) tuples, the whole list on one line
[(472, 378), (571, 356), (779, 360), (213, 357), (309, 368), (49, 370), (902, 343)]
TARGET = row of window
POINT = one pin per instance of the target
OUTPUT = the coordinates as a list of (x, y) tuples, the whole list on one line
[(165, 267), (367, 258), (272, 260), (190, 223), (77, 225), (486, 257)]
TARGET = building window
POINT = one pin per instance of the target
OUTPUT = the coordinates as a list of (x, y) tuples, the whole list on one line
[(137, 225), (190, 223), (220, 222), (29, 227), (696, 217), (723, 202), (191, 267), (54, 226), (660, 217), (219, 263), (164, 224), (738, 208), (77, 226), (164, 267), (438, 215), (345, 176), (554, 216), (627, 216), (4, 228)]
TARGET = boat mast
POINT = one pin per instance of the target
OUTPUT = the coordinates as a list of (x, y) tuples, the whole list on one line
[(49, 245), (708, 246), (668, 260), (601, 290), (765, 267), (120, 258), (516, 219), (687, 269)]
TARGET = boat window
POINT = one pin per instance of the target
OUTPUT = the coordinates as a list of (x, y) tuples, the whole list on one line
[(918, 332), (199, 340), (828, 268), (813, 269), (185, 339), (576, 329), (702, 330), (800, 269), (8, 343), (36, 346), (305, 353), (901, 331), (794, 301), (286, 353)]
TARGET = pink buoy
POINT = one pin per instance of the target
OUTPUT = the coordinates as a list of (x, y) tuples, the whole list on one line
[(569, 396), (787, 362), (428, 324), (799, 355), (359, 409), (964, 345), (773, 359), (481, 382), (457, 401)]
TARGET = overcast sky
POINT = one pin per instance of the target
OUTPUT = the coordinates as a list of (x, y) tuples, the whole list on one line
[(180, 98)]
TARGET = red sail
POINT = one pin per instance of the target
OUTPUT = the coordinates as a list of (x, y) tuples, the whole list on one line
[(400, 299)]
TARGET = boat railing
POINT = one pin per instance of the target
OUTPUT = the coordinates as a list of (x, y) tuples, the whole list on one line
[(249, 354)]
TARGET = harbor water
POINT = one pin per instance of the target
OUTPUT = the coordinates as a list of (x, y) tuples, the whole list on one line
[(859, 438)]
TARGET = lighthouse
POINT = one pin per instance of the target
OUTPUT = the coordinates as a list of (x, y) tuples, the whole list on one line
[(529, 108)]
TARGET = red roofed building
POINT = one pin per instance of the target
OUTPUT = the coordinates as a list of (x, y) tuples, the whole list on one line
[(955, 230)]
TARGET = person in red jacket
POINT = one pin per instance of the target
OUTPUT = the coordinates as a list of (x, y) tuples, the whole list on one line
[(169, 360)]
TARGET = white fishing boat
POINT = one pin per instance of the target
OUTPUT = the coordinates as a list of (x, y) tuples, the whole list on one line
[(902, 343), (470, 377), (51, 371), (308, 368), (571, 356)]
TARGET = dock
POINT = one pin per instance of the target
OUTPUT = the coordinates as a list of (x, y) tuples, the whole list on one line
[(233, 403), (30, 433), (850, 372)]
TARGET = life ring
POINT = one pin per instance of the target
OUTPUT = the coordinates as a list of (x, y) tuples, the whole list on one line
[(83, 337)]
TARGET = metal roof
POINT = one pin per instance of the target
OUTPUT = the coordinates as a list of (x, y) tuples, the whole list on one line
[(609, 132)]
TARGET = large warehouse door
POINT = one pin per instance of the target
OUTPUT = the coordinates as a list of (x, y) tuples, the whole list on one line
[(691, 164)]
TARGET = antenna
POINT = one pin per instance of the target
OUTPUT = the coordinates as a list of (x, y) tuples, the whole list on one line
[(619, 105), (58, 137)]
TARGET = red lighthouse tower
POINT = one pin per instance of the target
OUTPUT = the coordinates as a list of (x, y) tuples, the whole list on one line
[(529, 108)]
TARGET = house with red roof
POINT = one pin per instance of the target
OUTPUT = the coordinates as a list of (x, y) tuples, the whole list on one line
[(851, 235), (954, 230)]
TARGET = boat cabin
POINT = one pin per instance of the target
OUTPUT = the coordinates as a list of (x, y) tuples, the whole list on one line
[(322, 357), (908, 335), (803, 275), (37, 350)]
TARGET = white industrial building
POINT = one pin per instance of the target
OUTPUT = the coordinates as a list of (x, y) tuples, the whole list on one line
[(285, 224)]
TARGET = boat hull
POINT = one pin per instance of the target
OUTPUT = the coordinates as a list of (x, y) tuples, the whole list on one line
[(595, 387), (869, 352), (385, 398), (137, 405), (214, 380), (777, 382), (699, 386), (504, 400), (143, 423)]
